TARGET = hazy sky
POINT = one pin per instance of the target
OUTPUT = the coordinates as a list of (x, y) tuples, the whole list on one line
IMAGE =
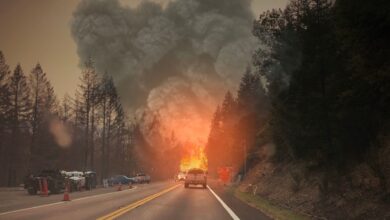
[(34, 31)]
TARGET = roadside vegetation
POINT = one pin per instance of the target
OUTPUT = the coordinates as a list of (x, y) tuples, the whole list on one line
[(272, 210), (309, 124), (39, 131)]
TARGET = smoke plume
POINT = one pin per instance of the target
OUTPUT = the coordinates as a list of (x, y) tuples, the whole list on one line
[(60, 133), (175, 61)]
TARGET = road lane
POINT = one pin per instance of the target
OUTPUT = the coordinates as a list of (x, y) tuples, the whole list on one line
[(18, 198), (186, 204), (125, 209), (89, 208), (149, 201)]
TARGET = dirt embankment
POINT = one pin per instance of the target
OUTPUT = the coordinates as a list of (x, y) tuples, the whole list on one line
[(361, 193)]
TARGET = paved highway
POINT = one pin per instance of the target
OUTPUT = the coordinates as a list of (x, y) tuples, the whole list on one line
[(162, 200)]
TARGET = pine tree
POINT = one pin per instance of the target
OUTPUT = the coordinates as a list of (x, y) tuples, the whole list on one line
[(44, 106), (119, 132), (37, 83), (88, 92), (251, 95), (215, 124), (213, 143), (109, 102), (20, 112), (4, 92), (4, 113), (228, 107), (66, 109)]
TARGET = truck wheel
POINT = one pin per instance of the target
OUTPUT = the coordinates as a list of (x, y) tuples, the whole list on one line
[(32, 191)]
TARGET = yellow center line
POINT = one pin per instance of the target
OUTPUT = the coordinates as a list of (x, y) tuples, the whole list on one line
[(123, 210)]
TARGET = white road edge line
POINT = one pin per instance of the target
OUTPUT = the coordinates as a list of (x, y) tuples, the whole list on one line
[(229, 210), (62, 202)]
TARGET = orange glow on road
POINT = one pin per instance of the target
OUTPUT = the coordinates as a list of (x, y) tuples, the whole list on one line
[(195, 157)]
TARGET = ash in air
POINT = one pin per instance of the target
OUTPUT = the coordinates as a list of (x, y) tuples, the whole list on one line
[(174, 61)]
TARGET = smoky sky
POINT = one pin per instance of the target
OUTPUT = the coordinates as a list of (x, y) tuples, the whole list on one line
[(176, 60)]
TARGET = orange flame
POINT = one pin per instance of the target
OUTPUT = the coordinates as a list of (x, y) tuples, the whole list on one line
[(194, 158)]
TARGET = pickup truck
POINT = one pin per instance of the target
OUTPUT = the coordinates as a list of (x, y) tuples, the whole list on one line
[(76, 179), (142, 178), (196, 177)]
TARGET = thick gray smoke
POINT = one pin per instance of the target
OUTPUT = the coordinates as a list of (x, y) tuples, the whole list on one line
[(176, 61)]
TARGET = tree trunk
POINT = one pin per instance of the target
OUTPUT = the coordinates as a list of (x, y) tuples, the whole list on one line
[(103, 157), (92, 137)]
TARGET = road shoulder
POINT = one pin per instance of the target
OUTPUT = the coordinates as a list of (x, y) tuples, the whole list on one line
[(242, 209)]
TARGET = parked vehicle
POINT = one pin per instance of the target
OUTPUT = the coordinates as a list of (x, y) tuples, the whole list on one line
[(196, 177), (121, 179), (142, 178), (55, 181), (76, 180)]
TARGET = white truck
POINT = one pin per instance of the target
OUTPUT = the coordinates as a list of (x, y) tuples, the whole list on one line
[(77, 180), (142, 178), (196, 177)]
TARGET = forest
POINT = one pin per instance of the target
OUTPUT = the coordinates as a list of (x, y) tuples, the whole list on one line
[(315, 108), (40, 131)]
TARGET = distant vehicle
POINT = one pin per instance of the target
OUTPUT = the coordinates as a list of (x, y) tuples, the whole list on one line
[(142, 178), (181, 176), (121, 179), (76, 180), (55, 181), (90, 180), (196, 177)]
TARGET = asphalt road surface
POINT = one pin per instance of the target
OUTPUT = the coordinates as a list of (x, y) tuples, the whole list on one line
[(161, 200)]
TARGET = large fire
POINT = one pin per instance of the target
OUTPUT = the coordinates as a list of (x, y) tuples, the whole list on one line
[(194, 158)]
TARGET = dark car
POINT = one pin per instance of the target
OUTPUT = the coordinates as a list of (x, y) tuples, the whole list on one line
[(121, 179)]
